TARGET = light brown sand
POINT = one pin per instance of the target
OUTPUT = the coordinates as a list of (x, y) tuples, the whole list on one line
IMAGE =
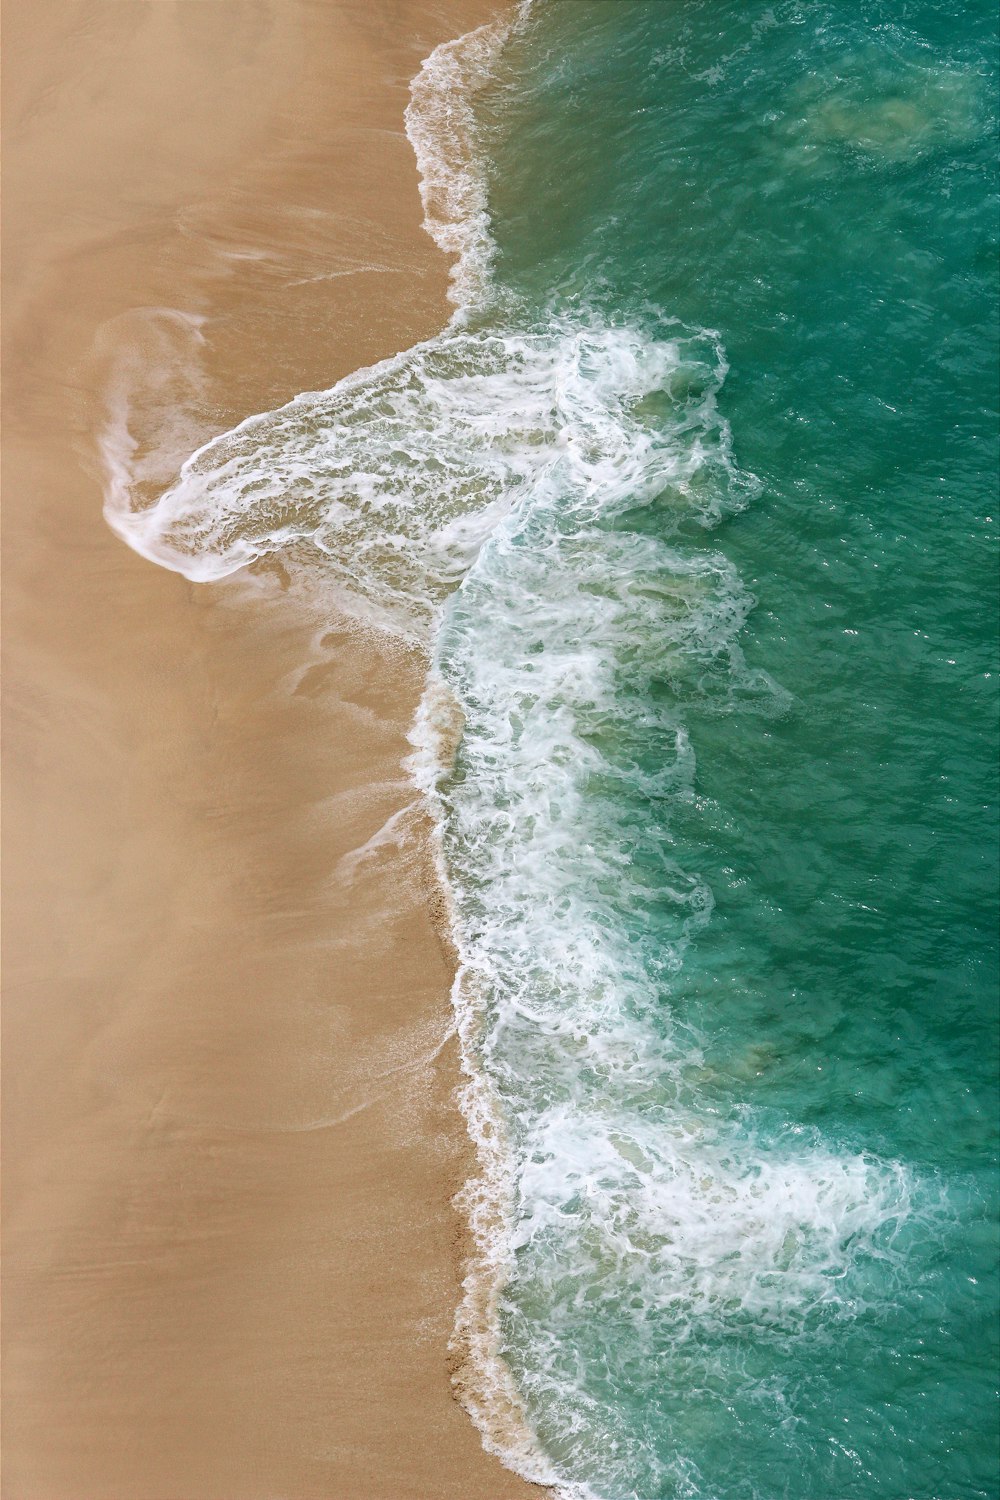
[(230, 1131)]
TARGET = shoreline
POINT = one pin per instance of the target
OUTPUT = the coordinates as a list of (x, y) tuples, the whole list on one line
[(232, 1137)]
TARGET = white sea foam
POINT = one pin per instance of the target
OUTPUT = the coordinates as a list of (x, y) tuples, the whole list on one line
[(442, 127), (395, 476)]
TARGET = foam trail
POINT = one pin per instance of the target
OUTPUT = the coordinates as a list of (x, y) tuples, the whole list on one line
[(153, 393), (441, 125)]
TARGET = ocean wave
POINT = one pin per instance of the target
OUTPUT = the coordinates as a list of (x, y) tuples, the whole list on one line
[(393, 478), (553, 744)]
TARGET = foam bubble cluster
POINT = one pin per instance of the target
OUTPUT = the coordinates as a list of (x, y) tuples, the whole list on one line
[(394, 477)]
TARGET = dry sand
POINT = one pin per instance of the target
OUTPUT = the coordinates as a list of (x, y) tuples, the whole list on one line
[(230, 1131)]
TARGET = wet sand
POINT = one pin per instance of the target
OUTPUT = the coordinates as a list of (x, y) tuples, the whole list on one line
[(230, 1136)]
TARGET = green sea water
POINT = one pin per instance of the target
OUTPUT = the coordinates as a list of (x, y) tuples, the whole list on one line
[(815, 183)]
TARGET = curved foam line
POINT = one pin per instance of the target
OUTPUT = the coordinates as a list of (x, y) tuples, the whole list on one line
[(441, 125)]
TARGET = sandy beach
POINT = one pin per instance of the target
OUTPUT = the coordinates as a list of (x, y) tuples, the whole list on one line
[(230, 1133)]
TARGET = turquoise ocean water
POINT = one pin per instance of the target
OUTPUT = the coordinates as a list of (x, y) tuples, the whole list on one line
[(756, 1255), (693, 508)]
